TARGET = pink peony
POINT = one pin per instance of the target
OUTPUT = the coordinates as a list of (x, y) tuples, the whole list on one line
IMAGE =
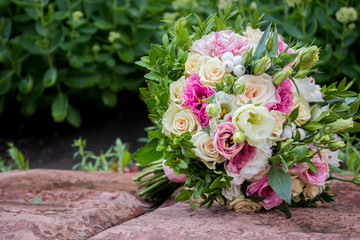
[(216, 44), (262, 188), (193, 94), (282, 47), (223, 140), (284, 98), (305, 173), (171, 175), (246, 154)]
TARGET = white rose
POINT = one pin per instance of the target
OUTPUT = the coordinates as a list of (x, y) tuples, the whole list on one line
[(253, 167), (259, 89), (211, 72), (287, 133), (308, 90), (243, 204), (176, 89), (304, 113), (253, 36), (194, 62), (179, 120), (257, 177), (205, 150), (255, 121), (232, 192), (280, 118)]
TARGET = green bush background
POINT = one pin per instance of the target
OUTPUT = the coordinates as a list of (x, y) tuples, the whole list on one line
[(57, 54)]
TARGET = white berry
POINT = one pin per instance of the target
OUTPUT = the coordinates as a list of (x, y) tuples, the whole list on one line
[(237, 60), (227, 56), (228, 66), (239, 70)]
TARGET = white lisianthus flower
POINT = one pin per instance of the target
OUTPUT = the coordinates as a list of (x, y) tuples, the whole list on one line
[(304, 113), (211, 72), (194, 62), (280, 118), (227, 104), (309, 91), (259, 89), (319, 110), (205, 150), (176, 89), (179, 120), (255, 121), (253, 36)]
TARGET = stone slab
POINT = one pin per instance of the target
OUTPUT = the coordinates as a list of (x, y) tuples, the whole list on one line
[(74, 205), (179, 221)]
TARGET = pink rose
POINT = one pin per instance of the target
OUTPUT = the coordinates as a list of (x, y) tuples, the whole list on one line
[(217, 43), (223, 140), (246, 154), (193, 94), (284, 98), (306, 174), (262, 188)]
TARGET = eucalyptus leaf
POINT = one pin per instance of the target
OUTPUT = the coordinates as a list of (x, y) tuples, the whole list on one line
[(280, 182)]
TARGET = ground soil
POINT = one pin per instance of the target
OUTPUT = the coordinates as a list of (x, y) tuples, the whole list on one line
[(48, 145)]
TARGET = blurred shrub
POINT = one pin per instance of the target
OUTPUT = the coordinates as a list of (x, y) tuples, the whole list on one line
[(57, 53), (16, 161), (331, 24)]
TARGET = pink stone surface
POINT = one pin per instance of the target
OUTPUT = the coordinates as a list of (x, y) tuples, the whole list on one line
[(75, 205), (179, 221)]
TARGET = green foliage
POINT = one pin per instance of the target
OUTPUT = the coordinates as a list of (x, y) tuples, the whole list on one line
[(350, 155), (16, 161), (57, 53), (116, 158), (316, 22)]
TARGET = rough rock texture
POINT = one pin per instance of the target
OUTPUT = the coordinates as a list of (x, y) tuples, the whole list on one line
[(180, 221), (75, 205)]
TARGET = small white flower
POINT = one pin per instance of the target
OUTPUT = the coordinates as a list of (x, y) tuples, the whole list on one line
[(237, 60), (239, 70), (228, 56), (228, 66)]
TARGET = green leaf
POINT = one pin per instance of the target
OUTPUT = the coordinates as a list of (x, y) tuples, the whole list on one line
[(59, 107), (183, 195), (294, 114), (209, 99), (73, 116), (26, 84), (284, 208), (261, 47), (50, 77), (148, 153), (300, 152), (280, 182), (5, 29), (182, 164), (109, 98), (312, 167), (28, 107), (188, 152), (103, 24)]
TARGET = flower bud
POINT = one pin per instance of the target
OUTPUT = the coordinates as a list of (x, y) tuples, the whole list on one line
[(229, 80), (247, 58), (333, 146), (95, 48), (270, 43), (281, 76), (341, 124), (304, 73), (239, 136), (77, 15), (261, 65), (356, 180), (325, 139), (212, 110), (239, 88), (309, 57)]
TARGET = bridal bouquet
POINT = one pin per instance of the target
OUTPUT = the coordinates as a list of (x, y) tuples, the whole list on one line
[(239, 119)]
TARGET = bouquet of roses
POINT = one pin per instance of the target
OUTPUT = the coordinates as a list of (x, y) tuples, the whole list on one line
[(238, 118)]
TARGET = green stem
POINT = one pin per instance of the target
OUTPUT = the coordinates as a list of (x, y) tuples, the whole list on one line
[(342, 179), (303, 9), (115, 15), (341, 48), (45, 35)]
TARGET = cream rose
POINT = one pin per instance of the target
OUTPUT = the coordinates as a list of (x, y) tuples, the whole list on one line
[(205, 150), (259, 89), (194, 62), (179, 120), (176, 89), (297, 186), (255, 121), (304, 113), (280, 118), (243, 204), (211, 72), (311, 191)]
